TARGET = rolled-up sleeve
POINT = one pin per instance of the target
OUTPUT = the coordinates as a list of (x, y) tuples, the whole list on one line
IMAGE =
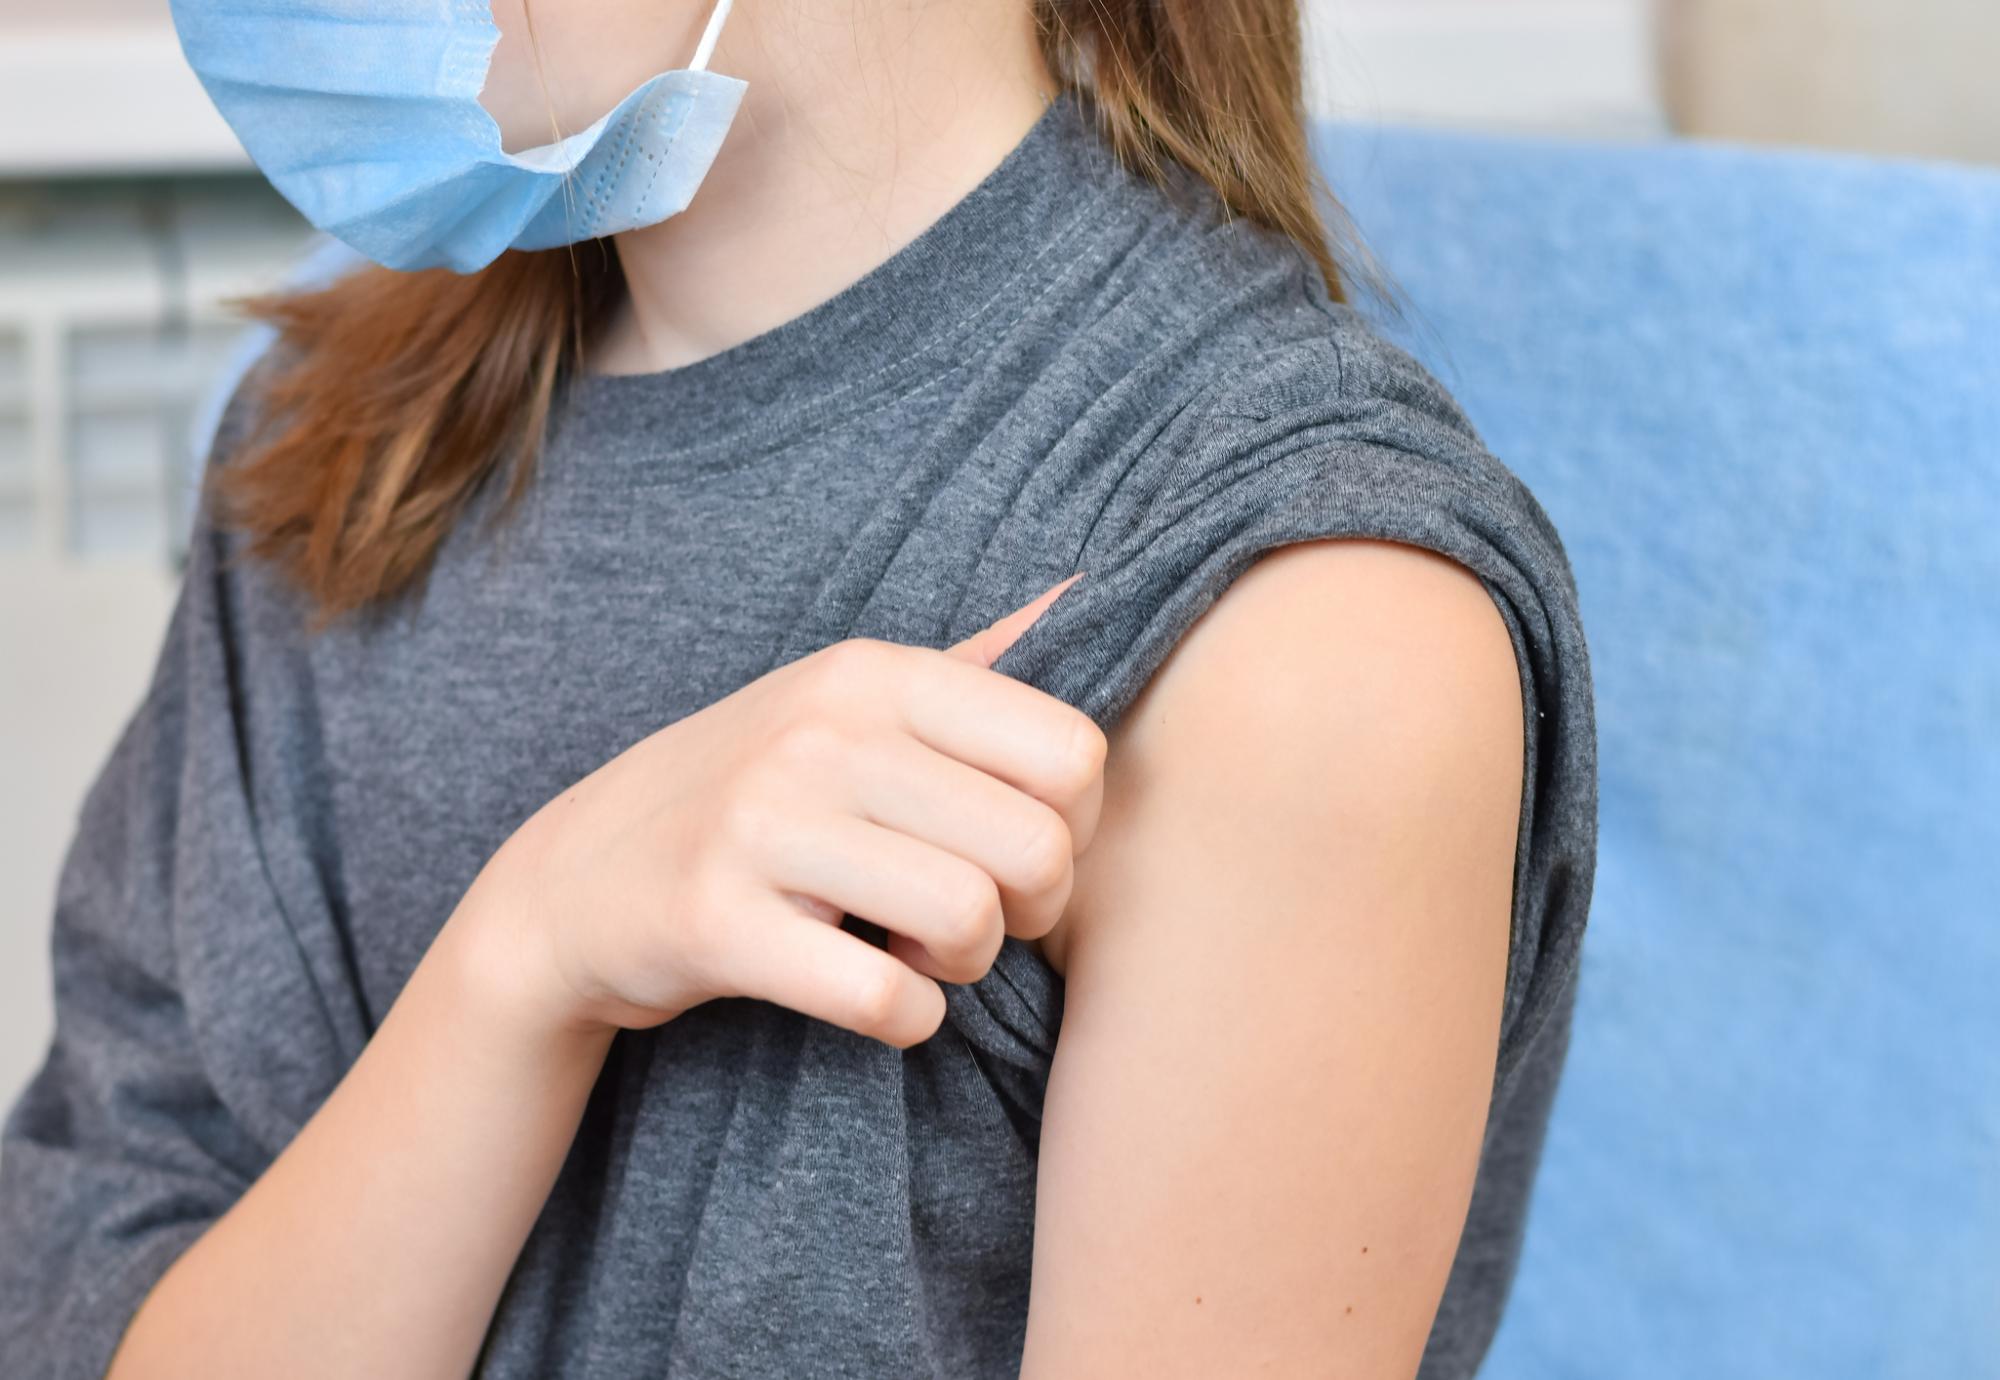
[(1314, 442)]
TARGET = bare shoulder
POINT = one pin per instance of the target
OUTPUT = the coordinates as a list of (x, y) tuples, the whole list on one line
[(1376, 659), (1285, 960)]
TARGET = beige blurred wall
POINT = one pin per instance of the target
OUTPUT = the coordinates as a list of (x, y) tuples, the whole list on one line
[(1914, 78), (25, 15)]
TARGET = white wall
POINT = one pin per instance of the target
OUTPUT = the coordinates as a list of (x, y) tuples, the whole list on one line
[(99, 85), (78, 640)]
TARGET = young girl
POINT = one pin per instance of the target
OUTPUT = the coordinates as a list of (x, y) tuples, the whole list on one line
[(641, 857)]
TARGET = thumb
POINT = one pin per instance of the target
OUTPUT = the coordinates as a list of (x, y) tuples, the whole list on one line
[(984, 647)]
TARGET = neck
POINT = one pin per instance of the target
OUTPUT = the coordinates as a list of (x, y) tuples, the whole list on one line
[(863, 122)]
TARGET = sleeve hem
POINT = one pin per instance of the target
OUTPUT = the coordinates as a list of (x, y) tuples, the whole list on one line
[(101, 1314)]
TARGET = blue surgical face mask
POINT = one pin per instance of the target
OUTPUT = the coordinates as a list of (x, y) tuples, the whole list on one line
[(365, 114)]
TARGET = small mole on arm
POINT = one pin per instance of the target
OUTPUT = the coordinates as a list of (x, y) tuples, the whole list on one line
[(1197, 1298), (1350, 1308), (1364, 1250)]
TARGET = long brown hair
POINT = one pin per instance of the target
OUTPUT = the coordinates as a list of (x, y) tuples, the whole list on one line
[(391, 397)]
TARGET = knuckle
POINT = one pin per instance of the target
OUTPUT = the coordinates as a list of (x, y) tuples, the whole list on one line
[(834, 662), (1087, 749), (875, 997), (1046, 853), (848, 663), (971, 912), (703, 935), (810, 741), (820, 676), (747, 817)]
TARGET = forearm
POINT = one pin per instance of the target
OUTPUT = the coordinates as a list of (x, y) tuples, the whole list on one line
[(378, 1242)]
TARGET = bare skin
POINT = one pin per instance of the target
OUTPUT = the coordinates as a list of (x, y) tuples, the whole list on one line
[(864, 121), (1284, 954)]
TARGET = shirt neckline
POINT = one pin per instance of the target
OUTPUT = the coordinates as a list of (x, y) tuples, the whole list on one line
[(922, 311)]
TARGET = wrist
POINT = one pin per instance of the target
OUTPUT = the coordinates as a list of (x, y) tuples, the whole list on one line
[(505, 981)]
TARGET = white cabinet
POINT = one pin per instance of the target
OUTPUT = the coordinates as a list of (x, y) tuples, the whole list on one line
[(113, 326), (1572, 67), (99, 86)]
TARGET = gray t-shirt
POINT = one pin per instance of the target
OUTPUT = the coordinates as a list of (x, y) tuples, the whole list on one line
[(1071, 370)]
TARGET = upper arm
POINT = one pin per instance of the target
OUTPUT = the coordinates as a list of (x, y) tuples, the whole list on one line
[(1284, 962)]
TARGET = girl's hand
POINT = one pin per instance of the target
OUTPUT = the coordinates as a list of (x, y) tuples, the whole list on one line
[(910, 786)]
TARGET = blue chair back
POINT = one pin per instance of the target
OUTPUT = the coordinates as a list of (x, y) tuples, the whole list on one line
[(1758, 391)]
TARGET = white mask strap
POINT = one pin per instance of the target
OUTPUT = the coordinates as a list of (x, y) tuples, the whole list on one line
[(709, 35)]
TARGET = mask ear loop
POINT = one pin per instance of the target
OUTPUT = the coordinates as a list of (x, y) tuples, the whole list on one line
[(706, 47)]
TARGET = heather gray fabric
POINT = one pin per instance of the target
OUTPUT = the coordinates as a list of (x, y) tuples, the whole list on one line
[(1071, 370)]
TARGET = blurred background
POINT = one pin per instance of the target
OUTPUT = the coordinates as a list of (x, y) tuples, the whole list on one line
[(128, 216)]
